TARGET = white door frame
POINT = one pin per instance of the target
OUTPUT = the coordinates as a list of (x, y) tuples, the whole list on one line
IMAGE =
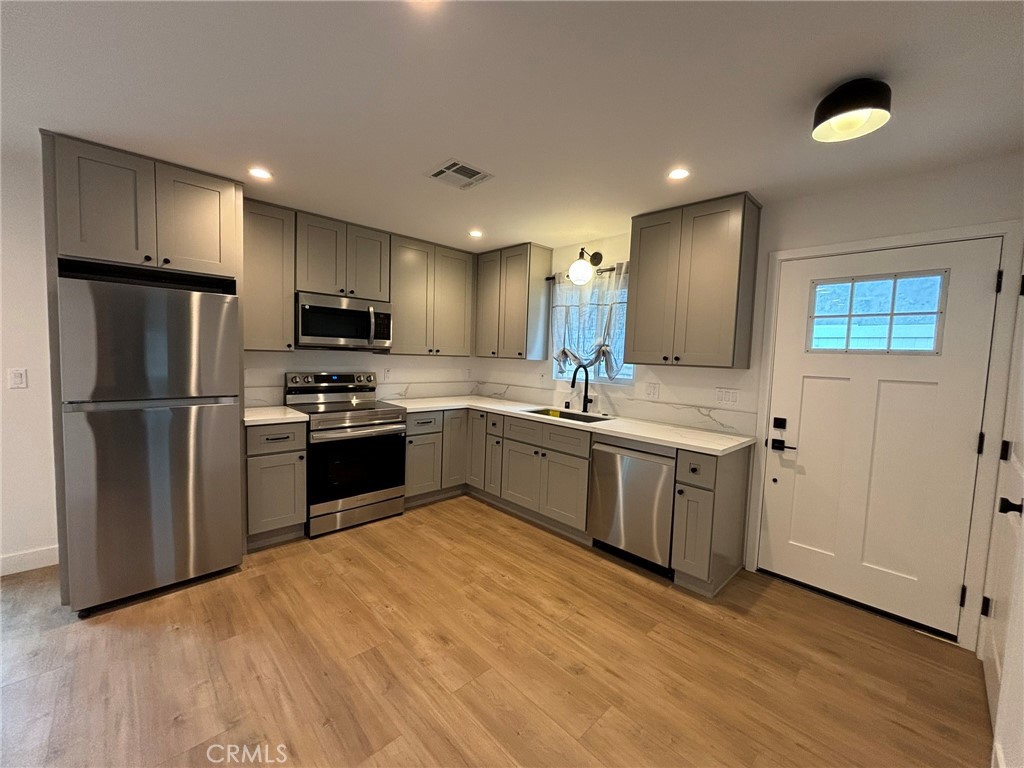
[(1011, 262)]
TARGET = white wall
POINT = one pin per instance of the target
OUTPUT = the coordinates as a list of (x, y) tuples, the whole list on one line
[(984, 191)]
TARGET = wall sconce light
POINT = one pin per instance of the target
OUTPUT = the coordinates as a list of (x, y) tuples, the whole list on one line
[(581, 271)]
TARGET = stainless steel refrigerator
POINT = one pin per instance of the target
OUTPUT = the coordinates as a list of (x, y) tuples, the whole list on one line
[(149, 384)]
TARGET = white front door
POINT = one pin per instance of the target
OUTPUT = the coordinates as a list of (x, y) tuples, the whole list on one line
[(880, 368)]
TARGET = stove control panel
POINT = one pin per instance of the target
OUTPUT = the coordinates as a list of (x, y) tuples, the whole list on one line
[(327, 379)]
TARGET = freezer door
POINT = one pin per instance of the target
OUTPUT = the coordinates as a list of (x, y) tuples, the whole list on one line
[(135, 342), (153, 497)]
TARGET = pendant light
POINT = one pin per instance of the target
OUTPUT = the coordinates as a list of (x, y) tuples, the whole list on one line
[(852, 110), (581, 271)]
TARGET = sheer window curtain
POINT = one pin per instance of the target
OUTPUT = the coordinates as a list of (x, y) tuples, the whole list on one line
[(588, 322)]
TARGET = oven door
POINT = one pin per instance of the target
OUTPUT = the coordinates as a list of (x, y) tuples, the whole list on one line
[(333, 321), (353, 467)]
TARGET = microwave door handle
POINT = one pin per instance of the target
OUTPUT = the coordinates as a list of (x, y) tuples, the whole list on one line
[(373, 326)]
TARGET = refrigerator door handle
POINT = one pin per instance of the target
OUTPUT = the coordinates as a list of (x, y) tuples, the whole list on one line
[(145, 405)]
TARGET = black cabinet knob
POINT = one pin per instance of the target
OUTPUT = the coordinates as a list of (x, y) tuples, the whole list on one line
[(410, 442), (665, 358), (288, 345), (694, 470), (341, 290), (166, 261), (430, 351), (679, 492), (536, 453), (437, 351), (302, 458), (519, 353), (147, 257), (676, 358), (351, 291), (493, 353), (497, 442), (543, 455)]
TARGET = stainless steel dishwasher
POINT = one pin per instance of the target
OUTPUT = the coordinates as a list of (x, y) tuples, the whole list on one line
[(630, 501)]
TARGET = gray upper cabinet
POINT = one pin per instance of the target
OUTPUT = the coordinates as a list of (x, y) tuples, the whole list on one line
[(106, 203), (453, 302), (476, 461), (321, 249), (369, 264), (563, 488), (454, 450), (651, 299), (513, 300), (197, 222), (488, 291), (432, 308), (412, 286), (691, 284), (268, 288)]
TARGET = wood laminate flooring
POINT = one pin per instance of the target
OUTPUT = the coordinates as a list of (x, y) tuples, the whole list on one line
[(458, 635)]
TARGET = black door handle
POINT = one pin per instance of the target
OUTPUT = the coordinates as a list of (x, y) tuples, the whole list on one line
[(778, 444), (1006, 506)]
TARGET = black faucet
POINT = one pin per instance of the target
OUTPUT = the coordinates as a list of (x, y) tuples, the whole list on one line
[(586, 385)]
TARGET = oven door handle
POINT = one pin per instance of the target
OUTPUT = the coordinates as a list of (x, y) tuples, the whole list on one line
[(352, 434), (373, 326)]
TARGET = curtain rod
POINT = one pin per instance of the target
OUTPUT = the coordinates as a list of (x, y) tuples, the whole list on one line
[(549, 278)]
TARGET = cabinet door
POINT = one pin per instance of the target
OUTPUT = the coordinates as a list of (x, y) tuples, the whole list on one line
[(653, 276), (321, 247), (196, 228), (268, 285), (691, 531), (454, 451), (488, 297), (476, 462), (277, 491), (369, 264), (492, 465), (563, 488), (422, 464), (412, 318), (520, 474), (513, 302), (106, 204), (452, 302), (709, 272)]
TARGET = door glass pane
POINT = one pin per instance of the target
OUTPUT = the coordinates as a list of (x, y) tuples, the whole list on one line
[(870, 332), (829, 333), (918, 294), (872, 297), (915, 332), (832, 299)]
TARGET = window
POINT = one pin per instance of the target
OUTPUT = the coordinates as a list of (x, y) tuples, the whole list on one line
[(580, 315), (898, 313)]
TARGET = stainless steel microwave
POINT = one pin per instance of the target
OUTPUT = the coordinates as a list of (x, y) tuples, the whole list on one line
[(340, 323)]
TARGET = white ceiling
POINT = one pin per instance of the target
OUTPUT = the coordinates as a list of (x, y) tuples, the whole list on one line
[(579, 109)]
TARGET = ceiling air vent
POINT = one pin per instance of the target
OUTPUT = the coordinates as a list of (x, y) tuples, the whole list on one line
[(455, 173)]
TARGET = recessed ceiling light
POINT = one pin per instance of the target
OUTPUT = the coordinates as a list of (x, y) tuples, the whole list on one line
[(678, 173), (475, 233), (260, 173), (852, 110)]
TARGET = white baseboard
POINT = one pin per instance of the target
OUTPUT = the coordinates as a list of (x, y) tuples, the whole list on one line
[(29, 560)]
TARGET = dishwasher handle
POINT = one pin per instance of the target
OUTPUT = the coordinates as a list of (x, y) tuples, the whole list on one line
[(618, 451)]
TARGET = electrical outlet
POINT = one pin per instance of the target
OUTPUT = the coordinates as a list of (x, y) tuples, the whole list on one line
[(387, 375), (727, 396), (17, 378), (652, 390)]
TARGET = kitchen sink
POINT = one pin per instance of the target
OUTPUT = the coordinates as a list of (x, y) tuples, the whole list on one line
[(556, 413)]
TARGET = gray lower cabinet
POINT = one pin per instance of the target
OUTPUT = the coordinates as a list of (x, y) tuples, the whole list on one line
[(197, 218), (493, 458), (691, 531), (520, 474), (268, 287), (454, 448), (276, 491), (106, 203), (476, 462), (423, 464), (563, 488)]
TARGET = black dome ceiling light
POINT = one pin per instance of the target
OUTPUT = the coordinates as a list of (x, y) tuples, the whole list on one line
[(852, 110)]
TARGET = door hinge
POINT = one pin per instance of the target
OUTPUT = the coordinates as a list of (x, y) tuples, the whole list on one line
[(963, 595), (981, 443), (1004, 450), (999, 281), (986, 606)]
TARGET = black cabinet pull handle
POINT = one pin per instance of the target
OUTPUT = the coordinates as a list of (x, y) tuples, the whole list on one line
[(166, 261), (147, 257), (664, 358), (778, 444), (276, 438), (1006, 506), (428, 421)]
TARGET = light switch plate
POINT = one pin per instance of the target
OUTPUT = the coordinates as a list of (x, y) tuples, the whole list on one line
[(17, 378), (652, 390), (727, 396)]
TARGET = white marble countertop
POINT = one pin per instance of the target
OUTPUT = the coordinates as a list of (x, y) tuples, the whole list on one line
[(687, 438), (272, 414)]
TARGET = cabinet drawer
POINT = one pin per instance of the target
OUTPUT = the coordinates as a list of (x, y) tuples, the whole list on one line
[(696, 469), (424, 423), (275, 438), (495, 424), (573, 441), (523, 430)]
